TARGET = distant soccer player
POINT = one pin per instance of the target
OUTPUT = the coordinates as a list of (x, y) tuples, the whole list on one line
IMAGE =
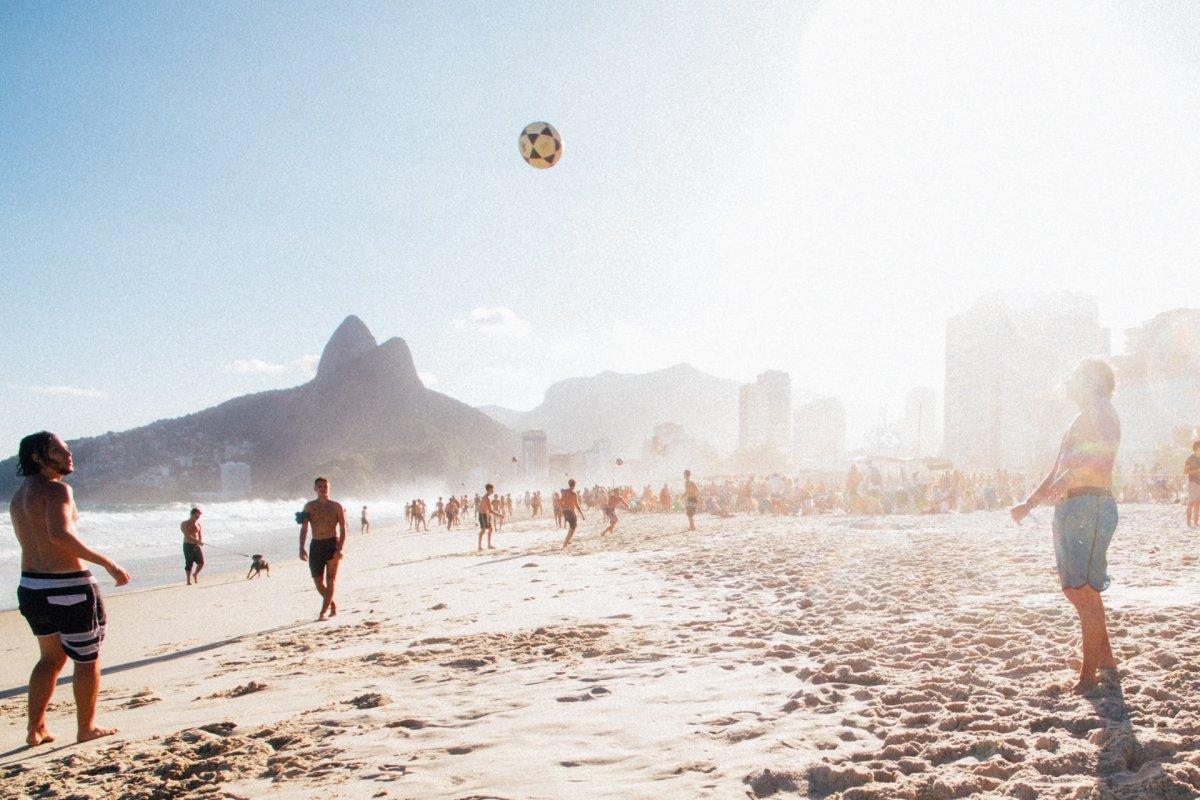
[(1191, 468), (569, 502), (691, 498), (488, 506), (328, 521), (615, 498)]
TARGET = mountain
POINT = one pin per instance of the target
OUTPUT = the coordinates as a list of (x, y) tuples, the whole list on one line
[(365, 420), (624, 409)]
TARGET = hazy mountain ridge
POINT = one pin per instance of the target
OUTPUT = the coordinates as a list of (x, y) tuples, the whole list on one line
[(365, 419), (624, 408)]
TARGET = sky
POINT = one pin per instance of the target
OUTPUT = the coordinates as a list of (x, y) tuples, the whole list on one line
[(193, 196)]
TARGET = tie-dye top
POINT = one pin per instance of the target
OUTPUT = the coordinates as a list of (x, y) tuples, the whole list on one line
[(1090, 448)]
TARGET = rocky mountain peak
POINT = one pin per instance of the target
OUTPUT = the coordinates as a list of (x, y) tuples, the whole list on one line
[(351, 341)]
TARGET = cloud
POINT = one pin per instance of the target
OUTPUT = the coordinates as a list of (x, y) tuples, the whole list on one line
[(499, 321), (62, 391), (305, 366), (427, 378)]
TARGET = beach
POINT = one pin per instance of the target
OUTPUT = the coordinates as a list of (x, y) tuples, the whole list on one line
[(861, 658)]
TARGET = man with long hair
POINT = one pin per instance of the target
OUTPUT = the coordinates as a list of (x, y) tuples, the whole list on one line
[(58, 597)]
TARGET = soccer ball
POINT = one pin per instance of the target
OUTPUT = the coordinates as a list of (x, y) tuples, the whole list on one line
[(540, 144)]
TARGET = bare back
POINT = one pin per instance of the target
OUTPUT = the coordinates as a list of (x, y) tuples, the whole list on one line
[(37, 505)]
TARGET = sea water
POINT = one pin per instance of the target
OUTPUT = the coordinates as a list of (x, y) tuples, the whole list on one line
[(147, 542)]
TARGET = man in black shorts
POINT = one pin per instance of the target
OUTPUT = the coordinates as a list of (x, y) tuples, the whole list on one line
[(328, 521), (58, 597), (615, 498), (193, 544), (570, 507), (488, 505)]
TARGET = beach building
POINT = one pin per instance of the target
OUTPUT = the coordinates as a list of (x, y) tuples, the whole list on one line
[(765, 414), (1158, 383), (535, 456), (1006, 358)]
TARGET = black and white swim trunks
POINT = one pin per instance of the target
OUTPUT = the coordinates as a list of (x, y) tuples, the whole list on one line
[(67, 604)]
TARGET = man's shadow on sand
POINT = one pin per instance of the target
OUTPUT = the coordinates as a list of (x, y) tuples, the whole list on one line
[(1120, 753), (137, 664)]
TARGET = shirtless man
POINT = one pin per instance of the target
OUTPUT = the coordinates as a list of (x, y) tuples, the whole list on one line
[(364, 524), (419, 514), (569, 502), (1085, 512), (58, 597), (691, 498), (1191, 468), (439, 512), (193, 543), (557, 510), (488, 506), (615, 498), (451, 512), (328, 521)]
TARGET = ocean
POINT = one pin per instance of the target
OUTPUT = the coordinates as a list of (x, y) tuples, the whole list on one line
[(146, 541)]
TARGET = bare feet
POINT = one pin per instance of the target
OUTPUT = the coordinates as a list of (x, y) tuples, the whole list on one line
[(94, 733), (491, 547), (39, 736), (332, 609), (1085, 686)]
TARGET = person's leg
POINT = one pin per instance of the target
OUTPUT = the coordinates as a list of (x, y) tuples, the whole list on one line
[(1085, 600), (86, 685), (331, 571), (199, 566), (41, 687), (319, 582)]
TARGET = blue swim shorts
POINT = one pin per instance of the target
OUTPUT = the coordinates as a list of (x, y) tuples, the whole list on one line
[(1083, 527)]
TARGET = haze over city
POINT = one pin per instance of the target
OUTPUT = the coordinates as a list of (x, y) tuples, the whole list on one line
[(192, 201), (605, 400)]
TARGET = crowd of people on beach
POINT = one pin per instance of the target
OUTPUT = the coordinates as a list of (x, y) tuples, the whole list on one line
[(62, 603)]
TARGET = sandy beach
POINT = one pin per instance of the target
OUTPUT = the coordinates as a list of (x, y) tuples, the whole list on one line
[(841, 657)]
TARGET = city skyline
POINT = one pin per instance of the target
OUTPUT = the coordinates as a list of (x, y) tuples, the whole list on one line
[(193, 197)]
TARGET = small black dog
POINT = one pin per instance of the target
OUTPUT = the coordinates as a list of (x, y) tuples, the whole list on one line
[(258, 564)]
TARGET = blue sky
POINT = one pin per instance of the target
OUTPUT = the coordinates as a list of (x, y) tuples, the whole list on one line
[(193, 196)]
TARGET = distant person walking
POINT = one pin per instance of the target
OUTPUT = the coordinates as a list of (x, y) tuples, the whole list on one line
[(1085, 514), (193, 546), (1191, 468), (691, 498), (327, 519), (58, 597), (364, 523), (569, 504)]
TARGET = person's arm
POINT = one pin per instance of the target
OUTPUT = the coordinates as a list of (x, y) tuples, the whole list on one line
[(199, 535), (304, 533), (60, 530), (1021, 510), (341, 527)]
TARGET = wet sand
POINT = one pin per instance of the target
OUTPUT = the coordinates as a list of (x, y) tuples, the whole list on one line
[(903, 657)]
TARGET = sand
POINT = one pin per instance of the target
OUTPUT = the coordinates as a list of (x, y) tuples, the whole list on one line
[(840, 657)]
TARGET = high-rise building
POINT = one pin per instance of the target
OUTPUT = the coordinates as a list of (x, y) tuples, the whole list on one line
[(235, 479), (919, 430), (765, 414), (820, 434), (1158, 383), (1006, 358), (535, 456)]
